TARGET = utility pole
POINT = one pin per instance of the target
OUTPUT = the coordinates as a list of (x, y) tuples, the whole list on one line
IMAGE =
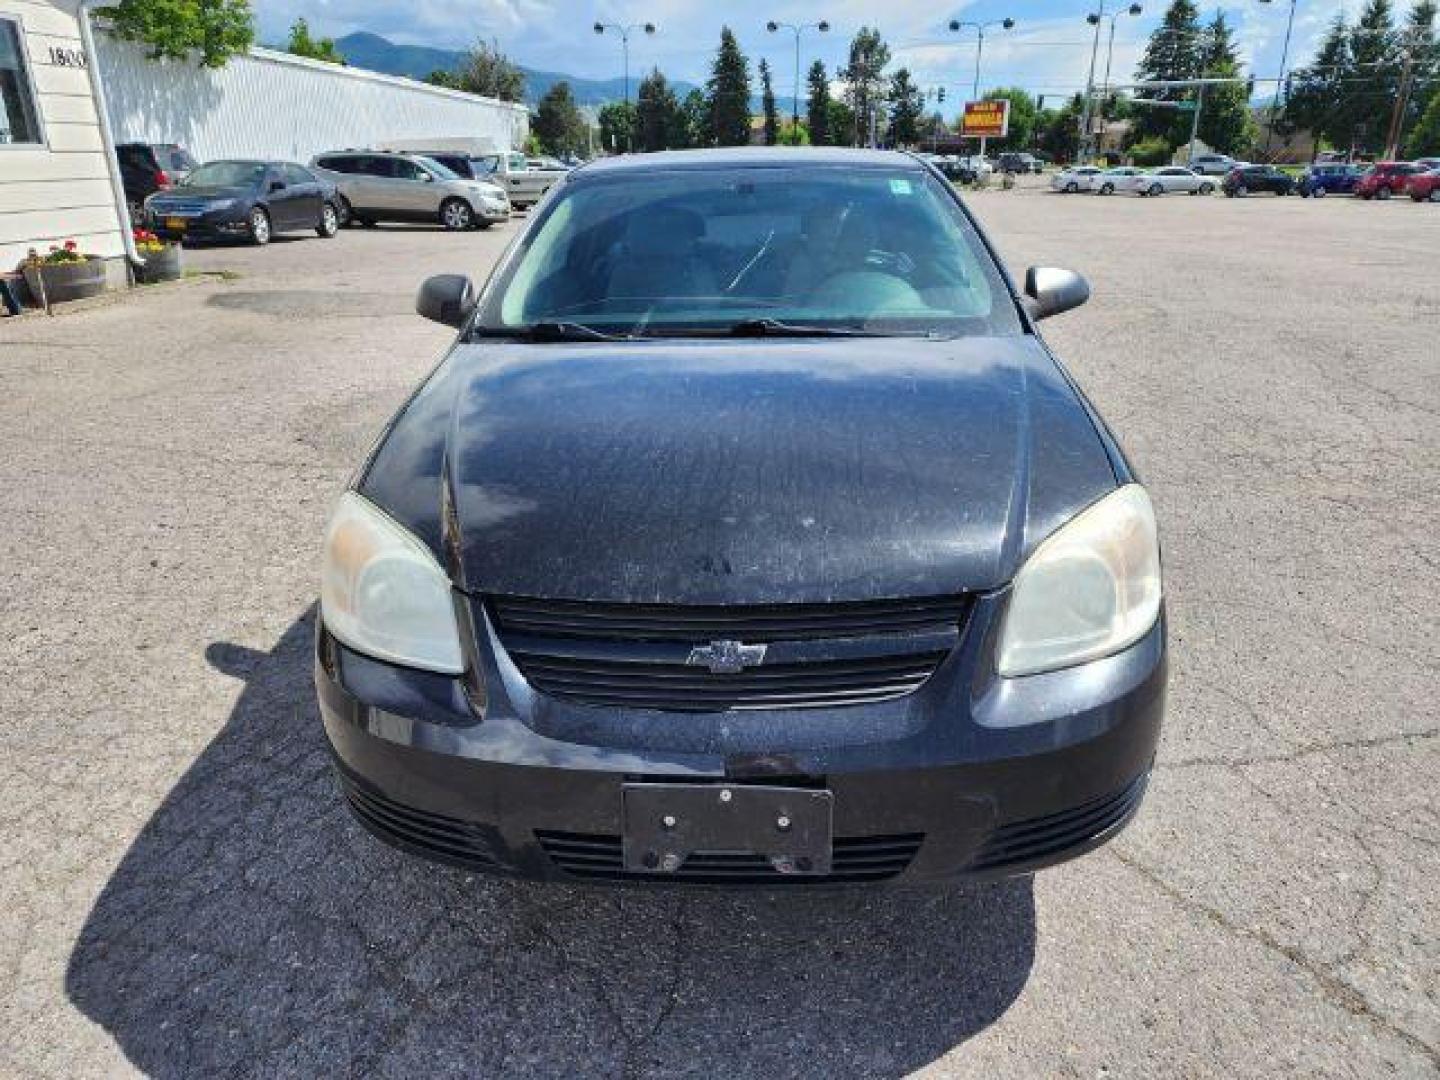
[(979, 28), (797, 29), (1402, 100), (1195, 123)]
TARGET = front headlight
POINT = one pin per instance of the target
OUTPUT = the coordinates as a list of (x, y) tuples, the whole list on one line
[(1089, 590), (382, 592)]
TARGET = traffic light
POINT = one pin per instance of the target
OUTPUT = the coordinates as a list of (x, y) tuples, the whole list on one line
[(940, 95)]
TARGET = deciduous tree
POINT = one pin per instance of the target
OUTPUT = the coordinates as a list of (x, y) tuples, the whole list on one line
[(313, 48), (864, 79), (907, 107), (558, 123), (485, 70), (210, 31)]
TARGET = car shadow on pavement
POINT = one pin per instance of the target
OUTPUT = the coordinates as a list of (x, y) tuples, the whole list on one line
[(253, 928)]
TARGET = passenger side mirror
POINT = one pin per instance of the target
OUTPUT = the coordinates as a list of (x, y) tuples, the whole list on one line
[(446, 298), (1050, 290)]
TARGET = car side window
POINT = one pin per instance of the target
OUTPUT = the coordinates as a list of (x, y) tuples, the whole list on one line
[(295, 174), (406, 170), (371, 165)]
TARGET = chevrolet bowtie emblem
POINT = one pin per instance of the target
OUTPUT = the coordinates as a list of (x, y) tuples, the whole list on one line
[(726, 657)]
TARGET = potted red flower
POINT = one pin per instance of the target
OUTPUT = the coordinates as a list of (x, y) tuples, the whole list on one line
[(162, 259), (64, 273)]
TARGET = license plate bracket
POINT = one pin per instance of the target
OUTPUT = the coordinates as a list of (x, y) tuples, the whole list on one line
[(665, 824)]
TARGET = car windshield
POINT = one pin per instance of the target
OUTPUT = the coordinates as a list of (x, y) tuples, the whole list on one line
[(885, 250), (439, 170), (226, 174)]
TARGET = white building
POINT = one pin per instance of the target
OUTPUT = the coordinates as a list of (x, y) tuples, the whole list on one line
[(56, 182), (273, 105)]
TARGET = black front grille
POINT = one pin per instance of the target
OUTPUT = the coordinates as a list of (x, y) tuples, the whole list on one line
[(853, 860), (1039, 838), (639, 655), (437, 836), (757, 623)]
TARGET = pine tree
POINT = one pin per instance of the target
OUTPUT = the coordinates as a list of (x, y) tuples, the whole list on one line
[(617, 127), (1419, 38), (864, 79), (658, 125), (1174, 52), (767, 105), (1314, 100), (1373, 79), (817, 105), (728, 93), (907, 107), (1226, 123), (558, 123)]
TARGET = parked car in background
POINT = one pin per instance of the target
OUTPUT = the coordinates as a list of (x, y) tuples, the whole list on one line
[(1252, 179), (244, 200), (1427, 163), (546, 163), (1425, 186), (1168, 180), (1113, 180), (525, 186), (1011, 162), (942, 649), (1385, 178), (1214, 164), (379, 186), (146, 168), (1074, 179), (1329, 178)]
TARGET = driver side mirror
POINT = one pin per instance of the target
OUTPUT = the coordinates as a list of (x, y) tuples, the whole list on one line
[(1050, 290), (446, 298)]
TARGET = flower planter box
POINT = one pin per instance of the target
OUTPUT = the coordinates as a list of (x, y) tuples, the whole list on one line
[(56, 283), (162, 266)]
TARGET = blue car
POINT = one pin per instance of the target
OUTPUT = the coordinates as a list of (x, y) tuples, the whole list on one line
[(1335, 178)]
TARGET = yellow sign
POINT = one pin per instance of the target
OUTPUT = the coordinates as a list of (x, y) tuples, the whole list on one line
[(986, 119)]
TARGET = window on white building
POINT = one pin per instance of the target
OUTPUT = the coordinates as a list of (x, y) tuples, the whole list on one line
[(18, 118)]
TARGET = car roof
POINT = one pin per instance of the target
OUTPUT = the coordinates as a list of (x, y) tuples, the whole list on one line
[(741, 157)]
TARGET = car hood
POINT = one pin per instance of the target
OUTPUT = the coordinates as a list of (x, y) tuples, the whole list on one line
[(740, 472)]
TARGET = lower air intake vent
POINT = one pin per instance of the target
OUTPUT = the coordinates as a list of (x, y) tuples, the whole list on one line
[(433, 835), (1026, 841), (853, 860)]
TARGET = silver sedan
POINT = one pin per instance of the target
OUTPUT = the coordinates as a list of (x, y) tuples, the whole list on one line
[(1170, 179)]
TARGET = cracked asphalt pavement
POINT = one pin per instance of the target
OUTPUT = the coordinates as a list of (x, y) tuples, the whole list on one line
[(182, 893)]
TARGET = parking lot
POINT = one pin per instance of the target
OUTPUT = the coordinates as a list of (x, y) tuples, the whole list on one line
[(183, 893)]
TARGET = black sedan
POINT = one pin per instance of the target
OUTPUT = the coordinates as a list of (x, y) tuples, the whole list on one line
[(749, 533), (245, 200), (1250, 179)]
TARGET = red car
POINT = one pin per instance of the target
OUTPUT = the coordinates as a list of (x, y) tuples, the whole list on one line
[(1385, 178), (1425, 185)]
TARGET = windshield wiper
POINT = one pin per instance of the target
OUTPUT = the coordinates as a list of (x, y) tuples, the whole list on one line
[(776, 328), (548, 331)]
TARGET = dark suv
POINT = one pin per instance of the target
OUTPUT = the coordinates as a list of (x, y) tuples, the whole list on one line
[(1253, 178), (146, 168)]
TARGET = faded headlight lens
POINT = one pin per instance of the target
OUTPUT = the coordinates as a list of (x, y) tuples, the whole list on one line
[(382, 593), (1091, 589)]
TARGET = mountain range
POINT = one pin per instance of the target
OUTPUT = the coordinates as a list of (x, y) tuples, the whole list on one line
[(365, 50)]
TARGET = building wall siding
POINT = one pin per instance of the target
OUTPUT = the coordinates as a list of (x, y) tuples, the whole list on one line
[(271, 104), (60, 191)]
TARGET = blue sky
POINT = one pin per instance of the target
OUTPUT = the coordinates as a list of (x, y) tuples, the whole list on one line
[(1048, 51)]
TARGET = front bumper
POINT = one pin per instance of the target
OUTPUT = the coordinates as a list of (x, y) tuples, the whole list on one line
[(970, 776), (229, 224)]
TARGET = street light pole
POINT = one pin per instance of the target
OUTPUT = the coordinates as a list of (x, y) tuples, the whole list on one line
[(957, 25), (797, 30), (624, 31), (1094, 19)]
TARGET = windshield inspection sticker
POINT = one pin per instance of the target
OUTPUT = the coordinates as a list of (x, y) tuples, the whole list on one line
[(899, 186)]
